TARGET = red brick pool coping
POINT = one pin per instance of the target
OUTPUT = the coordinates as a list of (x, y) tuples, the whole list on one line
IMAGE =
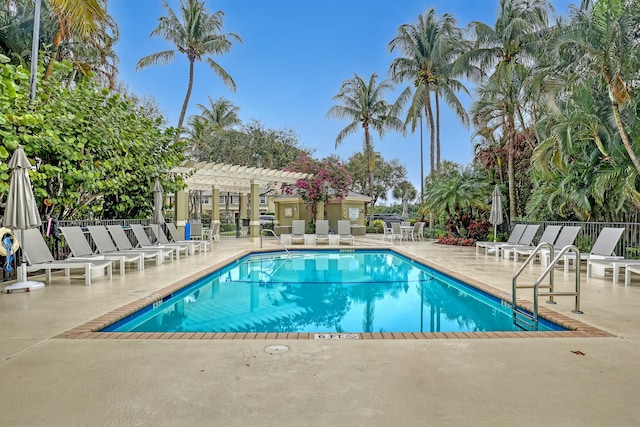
[(90, 330)]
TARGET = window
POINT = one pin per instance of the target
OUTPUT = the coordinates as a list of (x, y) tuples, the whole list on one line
[(206, 200), (223, 200), (263, 200), (235, 200)]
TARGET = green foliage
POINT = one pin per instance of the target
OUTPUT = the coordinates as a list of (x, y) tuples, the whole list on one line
[(99, 152), (250, 145)]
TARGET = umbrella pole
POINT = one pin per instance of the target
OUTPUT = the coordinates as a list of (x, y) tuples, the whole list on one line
[(495, 231)]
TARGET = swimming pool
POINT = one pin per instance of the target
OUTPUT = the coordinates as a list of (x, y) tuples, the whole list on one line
[(324, 292)]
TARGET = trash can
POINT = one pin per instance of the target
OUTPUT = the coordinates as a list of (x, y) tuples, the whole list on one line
[(187, 231)]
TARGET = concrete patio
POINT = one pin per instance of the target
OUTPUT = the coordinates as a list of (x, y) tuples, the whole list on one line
[(409, 382)]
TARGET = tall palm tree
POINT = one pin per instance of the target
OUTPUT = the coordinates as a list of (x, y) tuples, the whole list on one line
[(220, 114), (504, 52), (363, 103), (196, 34), (85, 21), (430, 48)]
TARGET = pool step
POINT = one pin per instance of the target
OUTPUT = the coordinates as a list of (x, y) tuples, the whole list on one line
[(523, 320)]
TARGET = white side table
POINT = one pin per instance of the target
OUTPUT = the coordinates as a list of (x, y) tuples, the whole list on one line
[(334, 239)]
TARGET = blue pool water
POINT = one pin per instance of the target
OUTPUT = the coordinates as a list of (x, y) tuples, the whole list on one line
[(325, 291)]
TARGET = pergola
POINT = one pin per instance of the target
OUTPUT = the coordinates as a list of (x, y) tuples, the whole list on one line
[(220, 177)]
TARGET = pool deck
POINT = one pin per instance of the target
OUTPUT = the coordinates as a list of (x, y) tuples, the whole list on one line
[(48, 380)]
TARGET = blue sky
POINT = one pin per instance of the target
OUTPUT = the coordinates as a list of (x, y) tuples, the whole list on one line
[(294, 56)]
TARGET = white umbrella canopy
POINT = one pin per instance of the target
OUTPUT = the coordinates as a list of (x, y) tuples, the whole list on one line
[(496, 210), (157, 218), (21, 212)]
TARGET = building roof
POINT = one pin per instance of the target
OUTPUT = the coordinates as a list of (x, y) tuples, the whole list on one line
[(232, 178), (352, 196)]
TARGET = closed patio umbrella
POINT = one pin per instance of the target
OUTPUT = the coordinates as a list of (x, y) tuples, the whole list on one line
[(496, 210), (157, 218), (21, 212)]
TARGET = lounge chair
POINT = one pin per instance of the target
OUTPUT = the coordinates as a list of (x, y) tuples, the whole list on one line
[(548, 236), (601, 251), (627, 273), (123, 243), (513, 239), (214, 232), (322, 231), (525, 240), (344, 231), (602, 258), (80, 249), (192, 245), (143, 241), (297, 231), (567, 237), (39, 257), (105, 246)]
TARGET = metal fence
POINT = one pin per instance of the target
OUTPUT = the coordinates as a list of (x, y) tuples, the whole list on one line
[(628, 246)]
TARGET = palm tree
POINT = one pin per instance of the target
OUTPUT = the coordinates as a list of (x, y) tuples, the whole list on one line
[(404, 191), (431, 47), (220, 114), (195, 34), (602, 43), (84, 21), (506, 50), (363, 103)]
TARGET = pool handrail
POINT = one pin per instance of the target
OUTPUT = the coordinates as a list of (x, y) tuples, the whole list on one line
[(274, 235)]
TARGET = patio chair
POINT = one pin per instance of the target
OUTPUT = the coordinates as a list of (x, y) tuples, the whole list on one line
[(322, 231), (602, 257), (396, 231), (388, 232), (80, 249), (344, 231), (297, 231), (123, 243), (416, 231), (39, 257), (601, 251), (214, 232), (105, 246), (567, 237), (513, 239), (145, 243), (549, 235), (196, 231), (192, 245), (627, 273)]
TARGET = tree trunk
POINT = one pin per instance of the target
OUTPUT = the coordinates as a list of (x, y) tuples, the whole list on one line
[(511, 168), (429, 113), (186, 98), (624, 137), (438, 134)]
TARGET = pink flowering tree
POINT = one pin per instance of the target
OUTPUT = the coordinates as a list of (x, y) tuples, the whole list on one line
[(327, 180)]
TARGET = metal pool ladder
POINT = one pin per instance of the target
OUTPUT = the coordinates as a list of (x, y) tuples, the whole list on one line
[(274, 235), (529, 321)]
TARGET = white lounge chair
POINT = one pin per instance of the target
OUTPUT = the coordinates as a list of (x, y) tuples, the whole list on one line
[(297, 231), (39, 257), (80, 249), (525, 240), (513, 239), (396, 231), (123, 243), (344, 231), (627, 273), (105, 246), (192, 245), (322, 231), (567, 237), (602, 250), (143, 241), (549, 235)]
